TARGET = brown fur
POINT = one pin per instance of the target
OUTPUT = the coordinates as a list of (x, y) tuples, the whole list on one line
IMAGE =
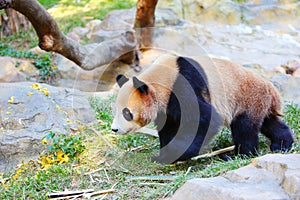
[(234, 90)]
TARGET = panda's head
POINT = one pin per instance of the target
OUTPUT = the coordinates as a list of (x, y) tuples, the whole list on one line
[(135, 105)]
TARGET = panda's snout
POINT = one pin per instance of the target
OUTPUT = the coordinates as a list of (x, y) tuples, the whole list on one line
[(114, 130)]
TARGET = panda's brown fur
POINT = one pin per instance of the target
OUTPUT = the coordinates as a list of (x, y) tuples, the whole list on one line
[(236, 94)]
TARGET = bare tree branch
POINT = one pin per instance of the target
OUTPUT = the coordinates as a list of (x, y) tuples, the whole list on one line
[(52, 39)]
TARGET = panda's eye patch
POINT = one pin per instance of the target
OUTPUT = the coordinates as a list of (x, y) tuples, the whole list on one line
[(127, 114)]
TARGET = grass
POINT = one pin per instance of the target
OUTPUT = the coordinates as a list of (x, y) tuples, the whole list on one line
[(110, 160), (69, 14)]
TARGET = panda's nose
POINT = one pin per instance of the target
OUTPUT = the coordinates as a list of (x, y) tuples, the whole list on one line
[(114, 130)]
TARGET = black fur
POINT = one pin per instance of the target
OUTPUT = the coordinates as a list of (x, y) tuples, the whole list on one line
[(245, 130), (278, 132), (121, 79), (182, 129), (140, 85)]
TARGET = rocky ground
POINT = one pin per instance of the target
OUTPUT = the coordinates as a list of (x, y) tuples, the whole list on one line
[(273, 176), (261, 35)]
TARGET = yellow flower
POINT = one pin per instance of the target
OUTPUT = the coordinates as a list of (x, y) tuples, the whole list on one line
[(11, 100), (61, 157), (45, 91), (54, 67), (35, 86), (8, 113), (69, 121), (46, 162), (16, 176), (30, 94), (44, 141)]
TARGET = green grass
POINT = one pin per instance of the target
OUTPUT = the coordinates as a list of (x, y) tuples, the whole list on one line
[(109, 160), (69, 14), (48, 3)]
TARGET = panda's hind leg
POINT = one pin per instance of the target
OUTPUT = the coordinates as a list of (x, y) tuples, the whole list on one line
[(278, 132), (245, 134)]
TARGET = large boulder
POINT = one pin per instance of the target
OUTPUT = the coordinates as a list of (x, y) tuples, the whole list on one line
[(234, 12), (29, 111), (9, 71), (273, 176)]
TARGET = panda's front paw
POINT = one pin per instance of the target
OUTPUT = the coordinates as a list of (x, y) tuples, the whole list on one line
[(159, 159)]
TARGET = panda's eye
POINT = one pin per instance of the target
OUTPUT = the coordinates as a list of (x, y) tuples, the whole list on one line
[(127, 114)]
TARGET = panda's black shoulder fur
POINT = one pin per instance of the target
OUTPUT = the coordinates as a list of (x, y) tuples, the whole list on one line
[(193, 72), (190, 92)]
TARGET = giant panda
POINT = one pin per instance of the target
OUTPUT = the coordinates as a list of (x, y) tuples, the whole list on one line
[(190, 98)]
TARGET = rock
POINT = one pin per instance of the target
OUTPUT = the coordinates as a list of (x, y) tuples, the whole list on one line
[(268, 12), (257, 68), (99, 79), (9, 72), (118, 21), (37, 50), (73, 36), (288, 86), (234, 12), (296, 73), (80, 31), (226, 11), (92, 25), (27, 115), (280, 70), (273, 176), (291, 66)]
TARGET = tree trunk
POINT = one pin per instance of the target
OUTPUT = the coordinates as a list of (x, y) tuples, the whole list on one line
[(12, 22), (144, 22)]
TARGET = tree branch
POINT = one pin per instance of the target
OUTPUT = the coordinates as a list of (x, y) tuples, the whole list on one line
[(52, 39)]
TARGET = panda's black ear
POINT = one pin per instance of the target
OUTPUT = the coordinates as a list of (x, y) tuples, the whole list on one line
[(140, 85), (121, 79)]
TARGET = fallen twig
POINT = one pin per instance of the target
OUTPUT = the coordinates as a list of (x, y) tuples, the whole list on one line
[(188, 171), (151, 178), (152, 184), (68, 194), (76, 194), (214, 153), (94, 171), (102, 192)]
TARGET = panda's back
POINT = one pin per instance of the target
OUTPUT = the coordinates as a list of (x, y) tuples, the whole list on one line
[(235, 89)]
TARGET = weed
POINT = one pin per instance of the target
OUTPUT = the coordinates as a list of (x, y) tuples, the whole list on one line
[(292, 117), (70, 145)]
